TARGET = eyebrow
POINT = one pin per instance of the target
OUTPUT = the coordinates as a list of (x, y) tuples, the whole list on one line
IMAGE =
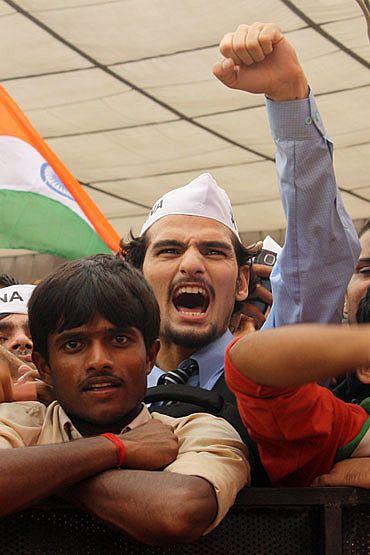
[(209, 244), (167, 243), (362, 262), (6, 326), (218, 245), (10, 326), (81, 332)]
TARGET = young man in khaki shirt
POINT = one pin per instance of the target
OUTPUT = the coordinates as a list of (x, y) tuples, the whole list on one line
[(94, 324)]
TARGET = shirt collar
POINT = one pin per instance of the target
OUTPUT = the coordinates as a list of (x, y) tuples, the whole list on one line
[(210, 359)]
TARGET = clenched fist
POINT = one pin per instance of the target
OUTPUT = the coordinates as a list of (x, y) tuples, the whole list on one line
[(151, 446), (259, 59)]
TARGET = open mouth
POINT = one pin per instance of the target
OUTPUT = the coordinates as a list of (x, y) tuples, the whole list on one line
[(192, 300), (101, 384)]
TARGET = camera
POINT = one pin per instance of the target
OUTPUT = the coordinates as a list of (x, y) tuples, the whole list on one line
[(268, 257)]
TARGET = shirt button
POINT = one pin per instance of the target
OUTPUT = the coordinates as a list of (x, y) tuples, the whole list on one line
[(308, 120)]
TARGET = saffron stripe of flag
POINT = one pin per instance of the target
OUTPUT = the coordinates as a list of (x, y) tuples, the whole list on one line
[(42, 206)]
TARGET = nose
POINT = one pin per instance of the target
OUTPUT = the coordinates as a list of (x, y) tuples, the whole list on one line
[(98, 358), (19, 342), (192, 263)]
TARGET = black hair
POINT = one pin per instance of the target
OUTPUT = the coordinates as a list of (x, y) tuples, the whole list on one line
[(363, 311), (6, 280), (79, 290)]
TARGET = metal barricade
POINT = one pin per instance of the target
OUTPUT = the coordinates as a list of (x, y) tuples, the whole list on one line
[(263, 521)]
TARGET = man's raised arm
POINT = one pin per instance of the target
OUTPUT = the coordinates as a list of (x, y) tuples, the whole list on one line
[(321, 246)]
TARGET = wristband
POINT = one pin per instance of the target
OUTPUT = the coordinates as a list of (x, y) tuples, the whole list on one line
[(120, 447)]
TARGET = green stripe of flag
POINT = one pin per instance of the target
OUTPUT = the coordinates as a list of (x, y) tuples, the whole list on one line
[(35, 222)]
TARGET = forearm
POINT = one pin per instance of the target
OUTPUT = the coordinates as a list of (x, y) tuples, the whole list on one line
[(154, 507), (31, 473), (294, 355), (292, 89), (321, 246)]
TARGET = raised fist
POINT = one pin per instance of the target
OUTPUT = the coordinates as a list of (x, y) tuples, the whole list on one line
[(259, 59)]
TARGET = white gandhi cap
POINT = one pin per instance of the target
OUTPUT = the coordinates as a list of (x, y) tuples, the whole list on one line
[(201, 197), (14, 299)]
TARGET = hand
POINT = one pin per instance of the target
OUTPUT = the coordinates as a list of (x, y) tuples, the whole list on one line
[(259, 59), (39, 391), (254, 318), (13, 362), (10, 391), (6, 388), (241, 324), (351, 472), (150, 447)]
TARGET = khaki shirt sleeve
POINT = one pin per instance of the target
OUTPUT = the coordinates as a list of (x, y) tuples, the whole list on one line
[(209, 447), (20, 423)]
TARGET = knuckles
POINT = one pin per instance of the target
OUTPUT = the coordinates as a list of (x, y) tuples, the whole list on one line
[(226, 44)]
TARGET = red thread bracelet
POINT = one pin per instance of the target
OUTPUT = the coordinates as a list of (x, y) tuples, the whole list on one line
[(120, 447)]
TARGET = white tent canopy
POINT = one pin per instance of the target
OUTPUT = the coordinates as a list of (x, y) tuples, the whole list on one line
[(122, 90)]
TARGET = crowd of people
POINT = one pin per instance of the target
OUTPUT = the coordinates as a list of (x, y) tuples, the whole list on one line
[(125, 379)]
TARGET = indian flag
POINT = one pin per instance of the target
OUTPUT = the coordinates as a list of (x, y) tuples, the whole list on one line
[(42, 206)]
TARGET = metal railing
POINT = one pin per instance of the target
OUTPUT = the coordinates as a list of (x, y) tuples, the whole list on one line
[(263, 521)]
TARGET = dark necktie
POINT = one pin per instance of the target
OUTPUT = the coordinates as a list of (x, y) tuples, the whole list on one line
[(181, 375)]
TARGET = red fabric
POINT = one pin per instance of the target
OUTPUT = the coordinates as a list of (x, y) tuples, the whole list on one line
[(298, 429), (120, 447)]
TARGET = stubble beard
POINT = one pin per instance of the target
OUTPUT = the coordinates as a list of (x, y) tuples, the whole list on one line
[(190, 338)]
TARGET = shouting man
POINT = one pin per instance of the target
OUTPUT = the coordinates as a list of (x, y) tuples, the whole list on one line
[(189, 249)]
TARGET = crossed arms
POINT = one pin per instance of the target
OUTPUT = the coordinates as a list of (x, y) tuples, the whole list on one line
[(152, 505)]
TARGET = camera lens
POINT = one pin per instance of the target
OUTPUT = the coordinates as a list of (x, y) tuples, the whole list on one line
[(269, 259)]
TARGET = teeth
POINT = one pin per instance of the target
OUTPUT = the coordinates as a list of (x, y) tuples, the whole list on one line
[(101, 385), (193, 290), (191, 313)]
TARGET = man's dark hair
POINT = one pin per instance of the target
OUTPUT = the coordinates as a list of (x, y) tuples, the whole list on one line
[(363, 311), (77, 291), (6, 280)]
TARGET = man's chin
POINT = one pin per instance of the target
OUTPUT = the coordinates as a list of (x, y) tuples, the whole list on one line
[(97, 423), (189, 337)]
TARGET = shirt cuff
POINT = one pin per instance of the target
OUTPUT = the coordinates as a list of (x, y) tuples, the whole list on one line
[(295, 119)]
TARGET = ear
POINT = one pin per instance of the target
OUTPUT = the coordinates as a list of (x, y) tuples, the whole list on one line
[(242, 284), (43, 367), (363, 375), (151, 355)]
